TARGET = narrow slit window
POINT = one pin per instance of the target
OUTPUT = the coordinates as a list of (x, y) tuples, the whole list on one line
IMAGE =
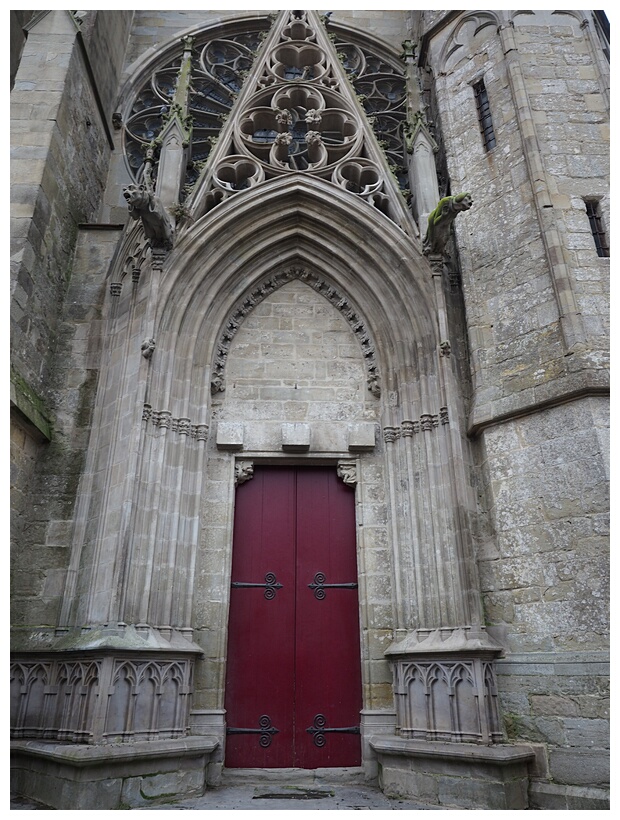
[(484, 115), (593, 210)]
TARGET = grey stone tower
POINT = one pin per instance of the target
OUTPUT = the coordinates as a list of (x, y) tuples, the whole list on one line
[(371, 242)]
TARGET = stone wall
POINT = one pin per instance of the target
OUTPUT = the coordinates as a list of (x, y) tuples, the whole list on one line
[(60, 152), (536, 301)]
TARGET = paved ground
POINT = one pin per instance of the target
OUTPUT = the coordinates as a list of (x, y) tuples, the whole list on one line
[(285, 794)]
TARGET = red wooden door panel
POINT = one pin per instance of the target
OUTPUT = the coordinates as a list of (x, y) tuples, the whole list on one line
[(328, 679), (294, 652), (261, 633)]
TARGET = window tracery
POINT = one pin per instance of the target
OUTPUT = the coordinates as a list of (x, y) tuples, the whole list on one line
[(300, 116), (219, 68)]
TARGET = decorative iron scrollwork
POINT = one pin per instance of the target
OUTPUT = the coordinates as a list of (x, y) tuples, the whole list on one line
[(319, 730), (270, 585), (265, 730), (319, 586)]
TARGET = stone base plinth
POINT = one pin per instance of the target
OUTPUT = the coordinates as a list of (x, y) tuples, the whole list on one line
[(459, 775), (123, 776)]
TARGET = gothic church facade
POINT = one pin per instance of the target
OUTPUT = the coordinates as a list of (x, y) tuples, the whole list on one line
[(309, 403)]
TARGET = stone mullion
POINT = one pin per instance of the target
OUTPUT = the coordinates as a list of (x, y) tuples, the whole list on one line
[(571, 323)]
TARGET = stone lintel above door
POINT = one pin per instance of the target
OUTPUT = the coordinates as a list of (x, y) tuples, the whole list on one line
[(259, 437)]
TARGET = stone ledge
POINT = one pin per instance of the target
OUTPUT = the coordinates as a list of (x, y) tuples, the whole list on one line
[(500, 755), (516, 407), (455, 775), (115, 776), (588, 662), (553, 796), (83, 755)]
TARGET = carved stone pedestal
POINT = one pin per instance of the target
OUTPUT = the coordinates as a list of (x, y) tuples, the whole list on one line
[(445, 686), (100, 719), (447, 722)]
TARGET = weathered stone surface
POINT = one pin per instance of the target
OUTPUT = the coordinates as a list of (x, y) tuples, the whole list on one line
[(482, 497)]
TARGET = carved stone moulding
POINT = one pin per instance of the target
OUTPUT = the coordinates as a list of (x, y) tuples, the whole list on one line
[(301, 58), (268, 286), (101, 697), (183, 426), (408, 428), (363, 178), (446, 687)]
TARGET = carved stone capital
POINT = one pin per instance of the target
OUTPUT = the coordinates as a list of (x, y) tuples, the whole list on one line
[(199, 431), (390, 434), (409, 428)]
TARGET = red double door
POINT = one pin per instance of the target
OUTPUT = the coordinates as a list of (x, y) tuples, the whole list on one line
[(293, 681)]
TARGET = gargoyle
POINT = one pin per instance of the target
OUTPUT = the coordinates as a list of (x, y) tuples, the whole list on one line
[(440, 220), (144, 205)]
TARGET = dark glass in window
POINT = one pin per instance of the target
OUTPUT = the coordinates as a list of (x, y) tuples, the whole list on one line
[(593, 210), (484, 115)]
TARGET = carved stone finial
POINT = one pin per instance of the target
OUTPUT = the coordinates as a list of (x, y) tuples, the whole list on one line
[(440, 220), (144, 205)]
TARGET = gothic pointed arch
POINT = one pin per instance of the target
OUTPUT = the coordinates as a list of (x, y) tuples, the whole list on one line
[(299, 221)]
